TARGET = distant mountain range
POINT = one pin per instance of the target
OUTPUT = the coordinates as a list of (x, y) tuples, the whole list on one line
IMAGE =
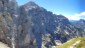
[(32, 26)]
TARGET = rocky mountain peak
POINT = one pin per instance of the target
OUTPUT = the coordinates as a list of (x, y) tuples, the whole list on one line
[(12, 0), (31, 4)]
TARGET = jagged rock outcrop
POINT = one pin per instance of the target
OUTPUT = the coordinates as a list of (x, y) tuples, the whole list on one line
[(8, 28)]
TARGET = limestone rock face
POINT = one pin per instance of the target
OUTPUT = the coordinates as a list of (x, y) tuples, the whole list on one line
[(8, 28), (3, 5)]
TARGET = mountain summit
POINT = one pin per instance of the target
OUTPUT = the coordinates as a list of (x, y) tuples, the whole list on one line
[(31, 3)]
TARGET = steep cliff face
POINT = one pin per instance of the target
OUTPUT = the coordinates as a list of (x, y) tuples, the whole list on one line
[(3, 5), (8, 28), (13, 9)]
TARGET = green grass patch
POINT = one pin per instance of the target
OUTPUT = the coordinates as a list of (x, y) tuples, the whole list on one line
[(72, 41)]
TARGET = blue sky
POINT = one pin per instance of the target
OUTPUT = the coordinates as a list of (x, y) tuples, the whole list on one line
[(69, 8)]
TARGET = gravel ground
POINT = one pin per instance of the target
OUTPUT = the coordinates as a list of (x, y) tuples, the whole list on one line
[(2, 45)]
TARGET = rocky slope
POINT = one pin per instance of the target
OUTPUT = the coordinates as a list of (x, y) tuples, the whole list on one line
[(8, 27), (80, 25), (32, 26)]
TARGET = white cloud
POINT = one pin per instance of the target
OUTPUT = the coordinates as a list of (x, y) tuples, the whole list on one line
[(83, 13), (76, 16)]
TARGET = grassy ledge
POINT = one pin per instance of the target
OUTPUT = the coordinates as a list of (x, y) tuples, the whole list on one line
[(70, 43)]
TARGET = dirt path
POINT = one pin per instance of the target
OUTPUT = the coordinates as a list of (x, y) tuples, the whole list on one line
[(73, 46)]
